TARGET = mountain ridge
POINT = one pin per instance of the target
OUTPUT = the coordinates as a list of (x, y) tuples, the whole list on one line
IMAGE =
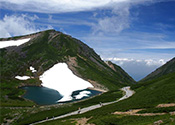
[(165, 69), (48, 48)]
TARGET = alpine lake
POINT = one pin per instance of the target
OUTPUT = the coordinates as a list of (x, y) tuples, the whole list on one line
[(47, 96)]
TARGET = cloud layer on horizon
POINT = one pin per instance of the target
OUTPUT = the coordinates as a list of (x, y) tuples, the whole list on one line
[(136, 68)]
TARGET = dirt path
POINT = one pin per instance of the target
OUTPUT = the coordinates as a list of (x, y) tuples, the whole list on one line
[(128, 93), (166, 105), (134, 112), (82, 121)]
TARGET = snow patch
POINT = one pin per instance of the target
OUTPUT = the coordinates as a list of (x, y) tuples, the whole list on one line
[(82, 94), (62, 79), (22, 77), (8, 43), (33, 69)]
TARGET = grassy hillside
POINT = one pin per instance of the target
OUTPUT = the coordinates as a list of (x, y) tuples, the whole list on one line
[(148, 96), (167, 68), (49, 48), (121, 73), (44, 50), (40, 114)]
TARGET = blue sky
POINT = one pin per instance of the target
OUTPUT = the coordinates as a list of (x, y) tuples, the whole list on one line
[(138, 35)]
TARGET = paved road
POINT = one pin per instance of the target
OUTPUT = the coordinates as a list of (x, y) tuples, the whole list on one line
[(128, 93)]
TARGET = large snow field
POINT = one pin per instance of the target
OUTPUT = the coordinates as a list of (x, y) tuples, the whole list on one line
[(8, 43), (62, 79)]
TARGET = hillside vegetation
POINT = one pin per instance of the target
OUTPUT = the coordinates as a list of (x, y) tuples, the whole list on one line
[(167, 68), (148, 96), (46, 49), (42, 51)]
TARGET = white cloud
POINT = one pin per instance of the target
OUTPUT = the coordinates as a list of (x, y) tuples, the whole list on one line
[(18, 25), (113, 44), (57, 6), (148, 62), (162, 45), (115, 23), (138, 68)]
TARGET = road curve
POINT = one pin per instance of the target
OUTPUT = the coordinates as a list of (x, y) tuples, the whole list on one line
[(128, 93)]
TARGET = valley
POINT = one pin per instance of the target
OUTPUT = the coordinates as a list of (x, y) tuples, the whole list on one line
[(58, 61)]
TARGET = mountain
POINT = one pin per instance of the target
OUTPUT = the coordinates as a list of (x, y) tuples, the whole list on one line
[(121, 73), (153, 96), (148, 96), (167, 68), (47, 48)]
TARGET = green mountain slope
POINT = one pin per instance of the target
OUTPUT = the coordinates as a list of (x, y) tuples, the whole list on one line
[(148, 95), (121, 73), (167, 68), (48, 48)]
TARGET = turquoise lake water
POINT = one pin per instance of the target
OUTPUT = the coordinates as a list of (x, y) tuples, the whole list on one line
[(46, 96)]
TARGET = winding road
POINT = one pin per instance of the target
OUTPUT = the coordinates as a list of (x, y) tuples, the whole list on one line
[(128, 93)]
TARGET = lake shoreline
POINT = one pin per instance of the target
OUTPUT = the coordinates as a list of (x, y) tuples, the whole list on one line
[(94, 92), (97, 89)]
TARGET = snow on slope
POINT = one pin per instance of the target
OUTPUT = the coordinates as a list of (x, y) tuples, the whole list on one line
[(82, 94), (22, 77), (61, 78), (32, 69), (8, 43)]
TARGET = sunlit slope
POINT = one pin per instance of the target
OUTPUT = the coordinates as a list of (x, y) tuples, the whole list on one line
[(149, 94), (43, 51), (167, 68), (147, 97)]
